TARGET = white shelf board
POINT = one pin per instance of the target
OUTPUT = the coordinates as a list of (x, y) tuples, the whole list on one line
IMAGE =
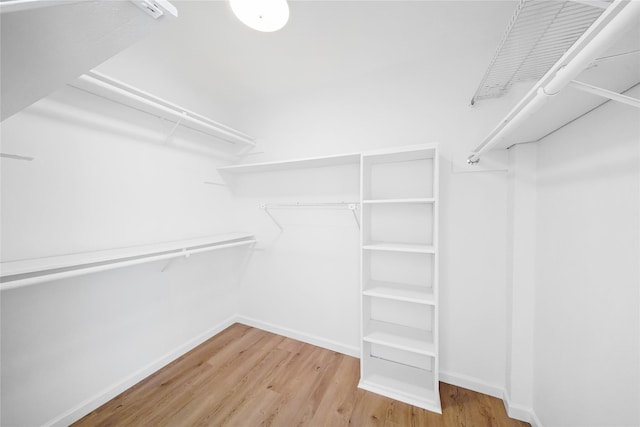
[(401, 382), (400, 292), (399, 247), (30, 271), (309, 162), (405, 154), (400, 201), (415, 340)]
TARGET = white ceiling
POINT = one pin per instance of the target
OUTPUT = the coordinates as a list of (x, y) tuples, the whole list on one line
[(324, 43)]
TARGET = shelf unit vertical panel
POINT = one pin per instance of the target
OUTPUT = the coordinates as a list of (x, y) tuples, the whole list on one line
[(399, 349), (436, 279), (364, 263)]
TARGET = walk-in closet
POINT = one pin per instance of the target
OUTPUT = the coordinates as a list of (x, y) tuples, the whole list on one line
[(320, 213)]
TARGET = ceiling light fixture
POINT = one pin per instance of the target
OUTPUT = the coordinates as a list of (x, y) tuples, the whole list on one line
[(261, 15)]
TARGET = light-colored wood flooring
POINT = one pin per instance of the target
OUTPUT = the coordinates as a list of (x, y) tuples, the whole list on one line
[(248, 377)]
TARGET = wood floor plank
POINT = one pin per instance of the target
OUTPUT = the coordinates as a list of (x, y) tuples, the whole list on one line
[(248, 377), (339, 399)]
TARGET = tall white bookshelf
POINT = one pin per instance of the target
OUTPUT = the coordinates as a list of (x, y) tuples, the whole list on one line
[(399, 280)]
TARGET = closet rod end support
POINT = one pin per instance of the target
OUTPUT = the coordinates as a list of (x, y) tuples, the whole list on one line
[(472, 160)]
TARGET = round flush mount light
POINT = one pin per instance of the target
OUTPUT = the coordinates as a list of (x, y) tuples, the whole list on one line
[(262, 15)]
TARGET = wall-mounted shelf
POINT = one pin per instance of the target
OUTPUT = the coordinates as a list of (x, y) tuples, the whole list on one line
[(309, 162), (391, 201), (400, 247), (14, 274), (122, 93)]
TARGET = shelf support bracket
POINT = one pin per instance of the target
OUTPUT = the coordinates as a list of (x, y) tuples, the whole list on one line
[(614, 96), (171, 260), (16, 157), (353, 208), (275, 221), (219, 184), (175, 126)]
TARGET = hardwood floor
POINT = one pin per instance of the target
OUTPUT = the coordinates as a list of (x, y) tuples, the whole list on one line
[(248, 377)]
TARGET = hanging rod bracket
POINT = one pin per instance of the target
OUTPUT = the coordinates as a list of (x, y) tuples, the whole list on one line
[(473, 160), (353, 208)]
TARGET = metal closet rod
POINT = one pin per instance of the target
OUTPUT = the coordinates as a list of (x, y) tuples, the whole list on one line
[(614, 21), (352, 206), (346, 205)]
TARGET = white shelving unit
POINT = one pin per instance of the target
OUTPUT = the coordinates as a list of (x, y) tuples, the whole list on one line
[(14, 274), (399, 280)]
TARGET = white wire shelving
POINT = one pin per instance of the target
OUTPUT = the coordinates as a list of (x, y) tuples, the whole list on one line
[(617, 19), (537, 36)]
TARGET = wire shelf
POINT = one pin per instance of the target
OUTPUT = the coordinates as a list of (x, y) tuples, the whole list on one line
[(537, 36)]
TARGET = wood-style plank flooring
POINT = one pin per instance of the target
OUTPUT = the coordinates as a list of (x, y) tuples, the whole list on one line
[(248, 377)]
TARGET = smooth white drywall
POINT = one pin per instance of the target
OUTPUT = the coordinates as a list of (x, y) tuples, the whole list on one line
[(305, 277), (587, 325), (104, 177)]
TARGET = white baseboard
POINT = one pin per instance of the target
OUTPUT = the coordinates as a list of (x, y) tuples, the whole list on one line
[(520, 412), (471, 383), (300, 336), (84, 408), (514, 411)]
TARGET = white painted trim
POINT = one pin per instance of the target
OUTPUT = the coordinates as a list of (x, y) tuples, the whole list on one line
[(84, 408), (535, 421), (300, 336), (471, 383), (520, 412), (515, 411)]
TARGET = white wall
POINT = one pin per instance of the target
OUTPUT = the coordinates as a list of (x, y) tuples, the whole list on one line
[(587, 324), (521, 279), (304, 280), (103, 177)]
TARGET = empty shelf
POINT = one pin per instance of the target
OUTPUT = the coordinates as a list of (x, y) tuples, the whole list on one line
[(400, 292), (400, 201), (405, 383), (415, 340), (400, 247), (310, 162), (30, 271)]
